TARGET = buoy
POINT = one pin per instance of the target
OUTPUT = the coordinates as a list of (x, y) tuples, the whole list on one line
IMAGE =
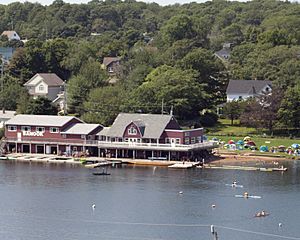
[(279, 224), (93, 206), (213, 205), (181, 192)]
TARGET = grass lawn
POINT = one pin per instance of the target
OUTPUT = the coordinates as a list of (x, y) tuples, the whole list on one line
[(225, 131)]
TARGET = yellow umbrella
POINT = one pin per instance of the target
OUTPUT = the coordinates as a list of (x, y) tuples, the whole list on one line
[(247, 138)]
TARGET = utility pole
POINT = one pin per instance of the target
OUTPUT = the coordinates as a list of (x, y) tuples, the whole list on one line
[(2, 73), (213, 232)]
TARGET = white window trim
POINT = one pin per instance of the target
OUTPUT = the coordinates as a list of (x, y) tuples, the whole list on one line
[(12, 128), (177, 140), (24, 130), (193, 140), (51, 130), (37, 129), (132, 131), (41, 87), (82, 136)]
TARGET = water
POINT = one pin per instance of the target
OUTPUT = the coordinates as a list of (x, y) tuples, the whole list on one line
[(41, 201)]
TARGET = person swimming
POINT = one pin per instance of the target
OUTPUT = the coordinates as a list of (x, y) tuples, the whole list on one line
[(246, 195)]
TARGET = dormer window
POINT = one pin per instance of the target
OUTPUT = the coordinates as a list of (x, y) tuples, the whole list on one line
[(132, 131)]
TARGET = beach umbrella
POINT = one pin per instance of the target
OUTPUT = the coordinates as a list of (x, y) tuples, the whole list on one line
[(240, 142), (231, 142), (251, 143), (247, 138), (263, 148), (295, 145)]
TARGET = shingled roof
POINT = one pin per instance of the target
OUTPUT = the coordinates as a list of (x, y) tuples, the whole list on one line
[(51, 79), (247, 86), (82, 128), (109, 60), (152, 124)]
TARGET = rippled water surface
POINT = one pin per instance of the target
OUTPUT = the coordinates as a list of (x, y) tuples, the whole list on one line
[(41, 201)]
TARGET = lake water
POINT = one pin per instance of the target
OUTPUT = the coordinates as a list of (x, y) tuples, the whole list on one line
[(41, 201)]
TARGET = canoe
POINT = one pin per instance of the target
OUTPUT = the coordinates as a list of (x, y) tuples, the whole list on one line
[(261, 215), (234, 185), (242, 196), (101, 173)]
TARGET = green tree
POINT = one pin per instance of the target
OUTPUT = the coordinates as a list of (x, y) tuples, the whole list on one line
[(41, 106), (175, 87), (104, 104), (232, 110), (289, 111)]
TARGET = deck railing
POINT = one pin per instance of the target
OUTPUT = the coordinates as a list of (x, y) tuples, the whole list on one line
[(123, 145)]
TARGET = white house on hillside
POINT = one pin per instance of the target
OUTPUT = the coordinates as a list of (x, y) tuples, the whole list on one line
[(48, 85), (243, 89), (11, 35)]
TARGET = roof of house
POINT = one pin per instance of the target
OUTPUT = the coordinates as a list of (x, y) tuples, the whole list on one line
[(7, 114), (51, 79), (81, 128), (40, 120), (104, 131), (223, 53), (9, 34), (109, 60), (153, 124), (247, 86)]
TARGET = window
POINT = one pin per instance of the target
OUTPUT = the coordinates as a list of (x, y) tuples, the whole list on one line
[(40, 129), (187, 140), (41, 87), (186, 134), (110, 70), (193, 140), (167, 140), (64, 135), (54, 130), (177, 140), (25, 128), (132, 131), (83, 136), (12, 128)]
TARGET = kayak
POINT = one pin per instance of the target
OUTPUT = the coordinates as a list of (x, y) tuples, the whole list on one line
[(242, 196), (234, 185), (261, 215)]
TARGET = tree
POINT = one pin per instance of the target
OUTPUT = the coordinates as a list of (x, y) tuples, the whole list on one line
[(40, 106), (10, 95), (232, 110), (104, 104), (289, 111), (173, 86)]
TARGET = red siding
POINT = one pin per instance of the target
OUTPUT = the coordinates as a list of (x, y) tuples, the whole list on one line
[(173, 124), (127, 135)]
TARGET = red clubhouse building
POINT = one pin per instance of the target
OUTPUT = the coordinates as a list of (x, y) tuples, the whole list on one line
[(137, 136)]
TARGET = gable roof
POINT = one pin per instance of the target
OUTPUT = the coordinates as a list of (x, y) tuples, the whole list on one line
[(81, 128), (250, 87), (109, 60), (10, 34), (51, 79), (40, 120), (153, 124)]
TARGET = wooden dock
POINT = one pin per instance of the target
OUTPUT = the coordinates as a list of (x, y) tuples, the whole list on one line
[(244, 168)]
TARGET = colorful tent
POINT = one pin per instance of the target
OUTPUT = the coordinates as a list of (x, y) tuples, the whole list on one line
[(240, 142), (295, 145), (247, 138), (231, 142), (251, 143), (263, 148)]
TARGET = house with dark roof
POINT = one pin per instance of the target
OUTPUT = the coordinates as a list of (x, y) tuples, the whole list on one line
[(224, 53), (11, 35), (243, 89), (131, 136), (151, 136), (111, 64), (48, 85)]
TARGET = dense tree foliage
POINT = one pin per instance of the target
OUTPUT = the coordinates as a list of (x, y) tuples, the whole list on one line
[(167, 54)]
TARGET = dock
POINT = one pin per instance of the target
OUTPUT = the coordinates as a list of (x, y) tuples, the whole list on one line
[(184, 165), (244, 168)]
